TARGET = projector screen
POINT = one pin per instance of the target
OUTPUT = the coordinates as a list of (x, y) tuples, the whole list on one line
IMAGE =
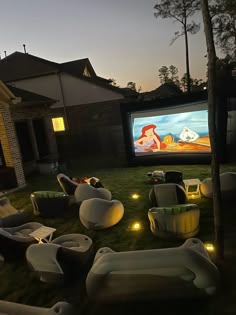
[(182, 129)]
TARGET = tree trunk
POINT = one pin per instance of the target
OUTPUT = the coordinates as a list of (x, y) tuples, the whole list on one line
[(187, 59), (212, 108)]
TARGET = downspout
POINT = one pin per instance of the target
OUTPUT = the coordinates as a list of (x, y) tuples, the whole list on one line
[(63, 101)]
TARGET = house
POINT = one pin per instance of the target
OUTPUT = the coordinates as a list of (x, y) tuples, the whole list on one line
[(86, 108), (163, 91), (11, 167), (33, 127)]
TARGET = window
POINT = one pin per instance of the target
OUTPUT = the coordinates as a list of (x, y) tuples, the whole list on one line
[(58, 124), (86, 72)]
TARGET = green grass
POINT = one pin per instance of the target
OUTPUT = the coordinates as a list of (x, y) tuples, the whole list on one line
[(20, 284)]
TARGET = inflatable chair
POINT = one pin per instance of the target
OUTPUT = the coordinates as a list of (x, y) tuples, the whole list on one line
[(180, 221), (163, 195), (15, 240), (67, 185), (49, 203), (86, 191), (65, 259), (11, 308), (185, 271), (227, 184), (9, 216), (97, 214), (173, 177)]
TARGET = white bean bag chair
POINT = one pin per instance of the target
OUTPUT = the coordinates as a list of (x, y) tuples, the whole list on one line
[(180, 221), (97, 214), (11, 308), (64, 259), (227, 184), (86, 191), (185, 271)]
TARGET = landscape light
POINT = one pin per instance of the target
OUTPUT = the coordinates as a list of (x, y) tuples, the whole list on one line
[(136, 226), (135, 196), (209, 247)]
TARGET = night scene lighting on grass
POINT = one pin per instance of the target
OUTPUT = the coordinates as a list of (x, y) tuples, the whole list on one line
[(135, 196), (209, 247), (194, 196), (135, 226)]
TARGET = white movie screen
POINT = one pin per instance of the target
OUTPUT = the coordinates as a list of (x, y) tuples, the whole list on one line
[(166, 132)]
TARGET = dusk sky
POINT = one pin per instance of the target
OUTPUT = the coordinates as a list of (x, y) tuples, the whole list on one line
[(122, 38)]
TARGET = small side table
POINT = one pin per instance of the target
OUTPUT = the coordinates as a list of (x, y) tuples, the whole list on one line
[(192, 188), (43, 234)]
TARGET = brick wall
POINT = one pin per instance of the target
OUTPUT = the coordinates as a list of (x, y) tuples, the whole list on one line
[(9, 144)]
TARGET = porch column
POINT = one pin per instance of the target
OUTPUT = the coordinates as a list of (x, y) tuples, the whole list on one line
[(9, 143)]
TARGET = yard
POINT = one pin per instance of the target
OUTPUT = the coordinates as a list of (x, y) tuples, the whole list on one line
[(20, 284)]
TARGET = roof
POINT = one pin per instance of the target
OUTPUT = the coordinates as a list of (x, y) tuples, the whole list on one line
[(77, 67), (19, 66), (163, 91), (29, 98), (179, 100)]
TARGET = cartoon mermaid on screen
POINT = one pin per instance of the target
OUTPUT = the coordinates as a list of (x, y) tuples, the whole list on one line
[(149, 140)]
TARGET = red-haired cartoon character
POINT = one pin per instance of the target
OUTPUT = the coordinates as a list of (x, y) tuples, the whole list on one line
[(149, 140)]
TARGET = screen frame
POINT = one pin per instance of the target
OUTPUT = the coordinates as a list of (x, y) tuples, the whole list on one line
[(168, 104)]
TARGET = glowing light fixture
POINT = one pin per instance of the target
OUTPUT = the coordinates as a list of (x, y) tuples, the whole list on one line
[(136, 226), (135, 196), (209, 247), (58, 124)]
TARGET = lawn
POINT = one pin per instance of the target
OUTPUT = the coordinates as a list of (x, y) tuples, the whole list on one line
[(20, 284)]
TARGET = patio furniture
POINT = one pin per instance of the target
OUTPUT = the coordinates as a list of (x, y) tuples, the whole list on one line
[(67, 185), (192, 188), (227, 184), (97, 214), (173, 177), (86, 191), (184, 271), (11, 308), (179, 221), (10, 216), (49, 203), (43, 234), (66, 258), (157, 176), (15, 240), (163, 195), (160, 177)]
